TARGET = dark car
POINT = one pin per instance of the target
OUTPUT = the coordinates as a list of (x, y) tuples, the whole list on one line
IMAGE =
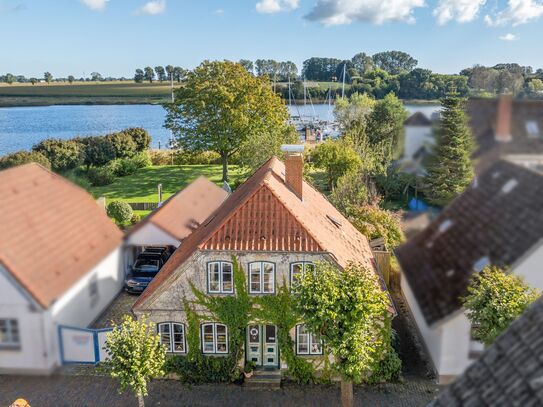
[(145, 268)]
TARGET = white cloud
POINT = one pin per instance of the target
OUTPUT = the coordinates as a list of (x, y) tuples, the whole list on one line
[(152, 7), (337, 12), (462, 11), (517, 12), (95, 4), (508, 37), (219, 11), (276, 6)]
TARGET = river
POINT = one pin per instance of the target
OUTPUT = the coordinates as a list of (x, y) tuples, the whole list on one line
[(22, 127)]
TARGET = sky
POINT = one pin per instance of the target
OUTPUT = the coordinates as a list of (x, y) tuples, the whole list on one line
[(114, 37)]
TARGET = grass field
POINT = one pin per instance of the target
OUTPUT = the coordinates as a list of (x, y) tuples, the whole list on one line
[(143, 185)]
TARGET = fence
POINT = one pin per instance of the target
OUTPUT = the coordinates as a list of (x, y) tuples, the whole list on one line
[(81, 345), (390, 275), (143, 206)]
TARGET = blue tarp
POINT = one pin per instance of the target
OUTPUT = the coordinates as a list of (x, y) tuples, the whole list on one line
[(417, 205)]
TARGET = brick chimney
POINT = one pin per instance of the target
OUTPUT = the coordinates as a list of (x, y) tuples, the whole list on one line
[(503, 123), (294, 167)]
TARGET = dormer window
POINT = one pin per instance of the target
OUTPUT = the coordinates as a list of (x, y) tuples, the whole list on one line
[(532, 128)]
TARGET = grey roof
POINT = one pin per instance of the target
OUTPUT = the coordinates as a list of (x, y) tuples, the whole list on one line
[(496, 220), (509, 373), (418, 119)]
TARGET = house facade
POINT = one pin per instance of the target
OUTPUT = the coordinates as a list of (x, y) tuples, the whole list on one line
[(276, 226), (60, 264), (496, 221)]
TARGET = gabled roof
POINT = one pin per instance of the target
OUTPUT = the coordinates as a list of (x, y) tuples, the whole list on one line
[(187, 209), (495, 221), (418, 119), (263, 214), (509, 373), (52, 231)]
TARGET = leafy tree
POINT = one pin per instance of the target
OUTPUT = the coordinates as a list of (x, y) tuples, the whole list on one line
[(63, 154), (394, 62), (269, 67), (71, 79), (9, 78), (451, 168), (48, 77), (362, 63), (288, 71), (374, 223), (169, 71), (354, 189), (320, 69), (220, 107), (98, 151), (23, 157), (160, 73), (179, 73), (33, 81), (148, 74), (535, 85), (96, 77), (140, 137), (135, 356), (337, 158), (496, 298), (348, 310), (247, 64), (120, 211), (139, 76), (353, 111), (123, 144)]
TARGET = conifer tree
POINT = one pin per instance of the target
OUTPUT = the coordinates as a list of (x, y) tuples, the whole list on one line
[(451, 169)]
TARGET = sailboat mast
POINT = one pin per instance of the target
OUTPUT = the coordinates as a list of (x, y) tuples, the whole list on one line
[(343, 86)]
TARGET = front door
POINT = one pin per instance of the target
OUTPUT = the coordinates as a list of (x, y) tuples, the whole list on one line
[(262, 346)]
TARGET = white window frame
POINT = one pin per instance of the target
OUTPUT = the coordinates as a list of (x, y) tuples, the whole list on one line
[(311, 340), (221, 289), (214, 332), (304, 264), (13, 340), (171, 346), (261, 278)]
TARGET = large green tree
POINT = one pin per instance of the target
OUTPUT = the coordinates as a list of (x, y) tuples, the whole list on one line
[(149, 74), (220, 107), (337, 158), (135, 356), (495, 299), (62, 154), (451, 168), (348, 309)]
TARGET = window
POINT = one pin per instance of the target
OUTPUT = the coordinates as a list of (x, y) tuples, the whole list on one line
[(172, 335), (307, 343), (219, 277), (9, 333), (261, 277), (214, 338), (298, 269), (532, 128)]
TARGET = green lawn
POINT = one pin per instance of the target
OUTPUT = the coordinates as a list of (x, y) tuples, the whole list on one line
[(143, 185)]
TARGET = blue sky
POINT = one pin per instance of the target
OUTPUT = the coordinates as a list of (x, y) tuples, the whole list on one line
[(114, 37)]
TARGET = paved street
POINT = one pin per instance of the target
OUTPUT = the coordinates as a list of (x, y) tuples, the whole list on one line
[(89, 391)]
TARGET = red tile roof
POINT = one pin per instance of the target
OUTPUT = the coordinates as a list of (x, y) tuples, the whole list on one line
[(263, 214), (187, 209), (52, 231)]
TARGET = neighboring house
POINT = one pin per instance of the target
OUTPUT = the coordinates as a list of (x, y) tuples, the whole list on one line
[(498, 220), (60, 263), (175, 219), (509, 373), (277, 225), (503, 128)]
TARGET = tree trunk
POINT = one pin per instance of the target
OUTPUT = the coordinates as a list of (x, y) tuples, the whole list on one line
[(346, 393), (141, 403), (224, 160)]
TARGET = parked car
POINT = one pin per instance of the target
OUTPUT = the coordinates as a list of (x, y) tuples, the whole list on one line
[(145, 268)]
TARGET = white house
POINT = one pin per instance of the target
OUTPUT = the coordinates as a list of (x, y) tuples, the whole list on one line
[(175, 219), (60, 264), (419, 137), (498, 220)]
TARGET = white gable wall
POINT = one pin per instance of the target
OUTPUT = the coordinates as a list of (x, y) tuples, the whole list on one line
[(530, 267), (415, 138), (151, 235)]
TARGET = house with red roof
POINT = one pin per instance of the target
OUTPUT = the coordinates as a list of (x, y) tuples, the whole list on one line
[(60, 264), (277, 226)]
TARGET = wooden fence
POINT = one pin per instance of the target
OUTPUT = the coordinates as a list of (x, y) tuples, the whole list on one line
[(390, 275), (143, 206)]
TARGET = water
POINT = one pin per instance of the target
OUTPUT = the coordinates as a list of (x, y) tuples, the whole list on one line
[(22, 127)]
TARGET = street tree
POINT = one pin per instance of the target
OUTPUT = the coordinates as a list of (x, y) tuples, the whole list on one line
[(348, 309), (496, 298), (451, 169), (136, 356), (148, 74), (220, 106)]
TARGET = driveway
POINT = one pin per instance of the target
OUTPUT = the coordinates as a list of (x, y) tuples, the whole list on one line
[(90, 391)]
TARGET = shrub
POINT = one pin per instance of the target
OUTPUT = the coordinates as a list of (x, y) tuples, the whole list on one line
[(142, 160), (120, 211), (200, 370), (203, 158), (23, 157), (389, 369), (97, 151), (123, 144), (124, 167), (160, 157), (63, 154), (135, 218), (140, 137), (374, 222), (101, 176)]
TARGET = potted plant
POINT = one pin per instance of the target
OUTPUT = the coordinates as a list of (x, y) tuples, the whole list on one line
[(249, 369)]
